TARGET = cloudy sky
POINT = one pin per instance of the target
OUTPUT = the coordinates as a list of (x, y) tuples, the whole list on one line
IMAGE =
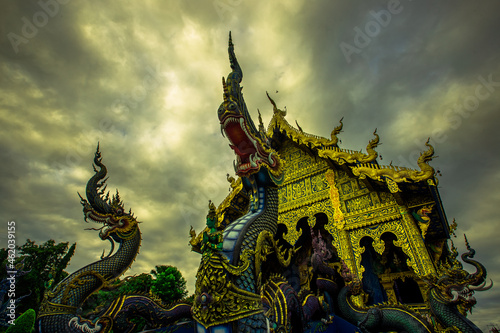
[(144, 80)]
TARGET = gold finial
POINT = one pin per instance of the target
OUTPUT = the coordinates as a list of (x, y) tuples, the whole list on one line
[(211, 210), (466, 242), (453, 227), (275, 108), (336, 131), (298, 126)]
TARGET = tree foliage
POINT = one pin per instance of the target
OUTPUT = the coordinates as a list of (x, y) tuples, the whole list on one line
[(164, 281), (168, 284), (43, 263), (43, 268), (25, 323)]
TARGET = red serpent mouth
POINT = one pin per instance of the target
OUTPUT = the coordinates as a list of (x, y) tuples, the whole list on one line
[(250, 154)]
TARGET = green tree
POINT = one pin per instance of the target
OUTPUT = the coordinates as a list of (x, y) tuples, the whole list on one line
[(168, 284), (25, 323), (137, 284), (43, 263), (140, 284)]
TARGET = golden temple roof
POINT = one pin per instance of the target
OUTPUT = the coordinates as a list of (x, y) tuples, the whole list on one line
[(362, 165)]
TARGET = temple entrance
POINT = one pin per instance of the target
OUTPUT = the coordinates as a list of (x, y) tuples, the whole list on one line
[(371, 261), (393, 258), (407, 291)]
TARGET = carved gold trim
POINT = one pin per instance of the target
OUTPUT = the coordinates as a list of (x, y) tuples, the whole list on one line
[(217, 299), (266, 245), (395, 227), (341, 156), (425, 266), (392, 185), (338, 216), (372, 215), (398, 174), (292, 217), (236, 187), (327, 148), (48, 308), (278, 122)]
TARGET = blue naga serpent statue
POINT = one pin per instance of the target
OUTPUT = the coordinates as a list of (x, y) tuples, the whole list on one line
[(227, 296), (231, 293), (450, 296), (58, 310)]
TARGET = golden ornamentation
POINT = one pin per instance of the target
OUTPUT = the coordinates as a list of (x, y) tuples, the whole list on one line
[(370, 216), (403, 241), (424, 220), (217, 299), (292, 217), (392, 185), (236, 187), (48, 308), (387, 281), (453, 227), (424, 263), (341, 156), (274, 296), (278, 123), (338, 216), (399, 174), (303, 180), (266, 245)]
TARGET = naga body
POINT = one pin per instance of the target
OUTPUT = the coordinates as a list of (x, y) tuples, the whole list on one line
[(58, 310), (236, 290), (452, 294), (382, 318), (227, 293)]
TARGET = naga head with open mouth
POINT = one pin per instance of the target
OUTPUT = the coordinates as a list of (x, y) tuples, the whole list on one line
[(117, 224), (457, 286), (249, 144)]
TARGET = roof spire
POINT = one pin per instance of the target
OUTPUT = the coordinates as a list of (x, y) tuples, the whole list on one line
[(238, 73), (275, 108)]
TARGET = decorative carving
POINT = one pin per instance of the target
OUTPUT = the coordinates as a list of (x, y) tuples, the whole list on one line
[(279, 124), (404, 240), (397, 174), (372, 215), (217, 299), (292, 217), (338, 216), (341, 156), (392, 185), (266, 245)]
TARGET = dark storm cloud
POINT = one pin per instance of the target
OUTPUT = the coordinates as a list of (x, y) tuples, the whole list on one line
[(144, 80)]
